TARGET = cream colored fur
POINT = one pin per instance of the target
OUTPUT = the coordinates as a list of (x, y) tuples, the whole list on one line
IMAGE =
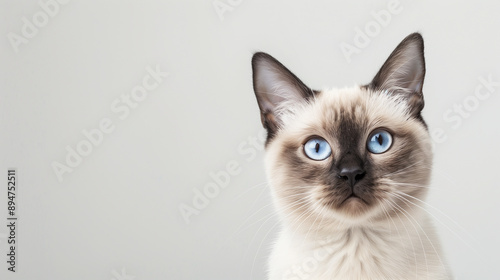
[(394, 239)]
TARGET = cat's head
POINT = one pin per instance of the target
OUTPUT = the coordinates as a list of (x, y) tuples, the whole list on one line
[(346, 155)]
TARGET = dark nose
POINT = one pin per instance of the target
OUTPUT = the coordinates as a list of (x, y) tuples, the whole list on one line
[(352, 174), (351, 169)]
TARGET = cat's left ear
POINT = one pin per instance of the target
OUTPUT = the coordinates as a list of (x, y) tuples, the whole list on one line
[(277, 89), (403, 73)]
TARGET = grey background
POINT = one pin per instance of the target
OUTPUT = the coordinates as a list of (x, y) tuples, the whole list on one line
[(117, 213)]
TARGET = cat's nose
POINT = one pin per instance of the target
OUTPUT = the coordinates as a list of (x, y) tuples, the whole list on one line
[(352, 174)]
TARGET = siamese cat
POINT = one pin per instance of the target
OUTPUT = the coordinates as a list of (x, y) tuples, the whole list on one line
[(349, 170)]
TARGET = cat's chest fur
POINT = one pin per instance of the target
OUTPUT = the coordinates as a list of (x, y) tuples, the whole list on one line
[(349, 171), (355, 253)]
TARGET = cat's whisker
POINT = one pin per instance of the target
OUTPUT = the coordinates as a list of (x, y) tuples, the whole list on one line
[(311, 225), (442, 213), (269, 231), (255, 201), (263, 184), (321, 213), (288, 207), (267, 217), (402, 211), (293, 208), (309, 212), (386, 212), (410, 185), (318, 228), (407, 184), (442, 174), (301, 194), (423, 231), (295, 203), (249, 217), (399, 194), (399, 171), (393, 204)]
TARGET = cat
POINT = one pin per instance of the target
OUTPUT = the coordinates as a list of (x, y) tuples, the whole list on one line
[(349, 171)]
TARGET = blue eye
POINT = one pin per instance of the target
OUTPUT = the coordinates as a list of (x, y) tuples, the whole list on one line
[(317, 149), (379, 141)]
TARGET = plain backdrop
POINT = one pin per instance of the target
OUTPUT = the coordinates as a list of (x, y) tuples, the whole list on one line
[(117, 214)]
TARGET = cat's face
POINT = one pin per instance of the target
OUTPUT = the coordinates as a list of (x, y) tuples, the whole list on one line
[(348, 155), (328, 157)]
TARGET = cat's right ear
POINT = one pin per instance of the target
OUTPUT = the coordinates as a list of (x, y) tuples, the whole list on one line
[(275, 88), (403, 73)]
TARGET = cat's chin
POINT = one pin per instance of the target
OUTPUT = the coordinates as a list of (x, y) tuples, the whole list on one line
[(353, 200), (352, 208)]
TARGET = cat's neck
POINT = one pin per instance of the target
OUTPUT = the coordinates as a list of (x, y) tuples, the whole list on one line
[(389, 253), (400, 230)]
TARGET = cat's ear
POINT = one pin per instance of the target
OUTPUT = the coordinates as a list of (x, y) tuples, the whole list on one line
[(276, 88), (403, 73)]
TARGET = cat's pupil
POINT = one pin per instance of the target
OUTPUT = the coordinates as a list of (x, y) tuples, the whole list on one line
[(379, 139), (316, 147)]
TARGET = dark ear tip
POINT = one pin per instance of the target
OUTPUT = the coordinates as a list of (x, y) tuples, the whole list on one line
[(415, 37), (258, 56)]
